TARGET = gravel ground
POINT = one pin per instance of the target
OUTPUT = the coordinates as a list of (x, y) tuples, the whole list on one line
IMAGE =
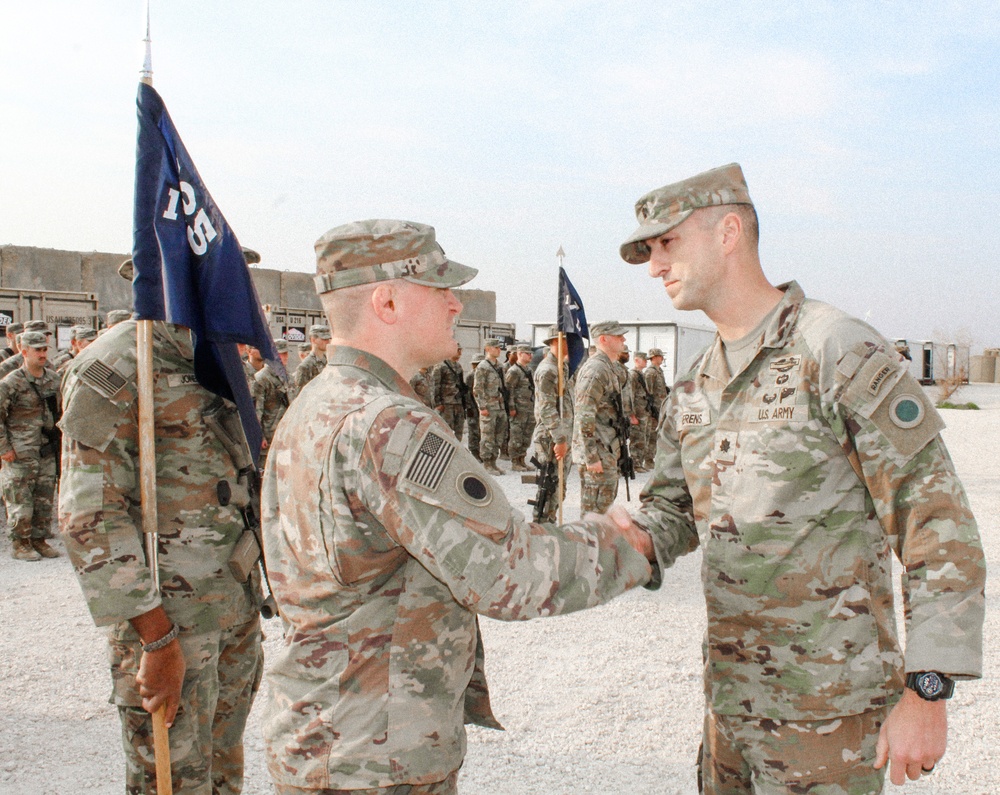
[(606, 701)]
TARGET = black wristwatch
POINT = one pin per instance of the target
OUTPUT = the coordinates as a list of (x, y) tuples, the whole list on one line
[(930, 685)]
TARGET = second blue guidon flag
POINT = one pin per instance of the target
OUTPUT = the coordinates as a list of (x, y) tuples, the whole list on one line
[(572, 320), (189, 266)]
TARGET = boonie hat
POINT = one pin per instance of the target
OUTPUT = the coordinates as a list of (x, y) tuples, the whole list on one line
[(655, 352), (34, 339), (611, 328), (379, 250), (320, 332), (553, 333), (661, 210)]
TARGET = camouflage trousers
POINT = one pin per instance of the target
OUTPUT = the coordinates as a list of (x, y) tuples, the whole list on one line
[(598, 490), (454, 415), (474, 436), (492, 433), (223, 674), (447, 787), (29, 486), (768, 757), (521, 428), (639, 441)]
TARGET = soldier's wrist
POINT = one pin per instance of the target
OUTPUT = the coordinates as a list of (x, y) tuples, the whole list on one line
[(162, 642)]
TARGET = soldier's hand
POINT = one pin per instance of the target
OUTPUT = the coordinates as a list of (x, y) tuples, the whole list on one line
[(9, 456), (635, 535), (597, 468), (484, 412), (160, 677), (560, 450), (634, 420), (913, 737), (513, 412), (439, 409)]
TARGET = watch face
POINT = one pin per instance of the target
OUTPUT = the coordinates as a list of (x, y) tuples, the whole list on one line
[(930, 684)]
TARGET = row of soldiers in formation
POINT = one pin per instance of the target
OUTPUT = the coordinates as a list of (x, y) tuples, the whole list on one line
[(30, 406), (511, 407)]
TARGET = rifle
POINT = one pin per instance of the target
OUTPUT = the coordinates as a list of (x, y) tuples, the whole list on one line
[(463, 388), (244, 495), (626, 466), (548, 483)]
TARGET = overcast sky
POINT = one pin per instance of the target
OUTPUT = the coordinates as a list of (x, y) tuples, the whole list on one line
[(868, 133)]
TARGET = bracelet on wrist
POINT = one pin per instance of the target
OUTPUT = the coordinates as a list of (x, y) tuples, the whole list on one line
[(156, 645)]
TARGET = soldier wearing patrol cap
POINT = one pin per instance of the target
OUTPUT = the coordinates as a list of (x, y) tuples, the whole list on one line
[(385, 538), (490, 391), (598, 399), (641, 433), (472, 409), (313, 364), (553, 413), (801, 455), (11, 331), (449, 394), (521, 396), (116, 316), (12, 363), (270, 398), (29, 447)]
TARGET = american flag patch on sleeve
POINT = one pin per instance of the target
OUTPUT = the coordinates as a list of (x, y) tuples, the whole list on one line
[(429, 464)]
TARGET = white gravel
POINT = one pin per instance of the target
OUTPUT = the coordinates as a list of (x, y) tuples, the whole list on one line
[(606, 701)]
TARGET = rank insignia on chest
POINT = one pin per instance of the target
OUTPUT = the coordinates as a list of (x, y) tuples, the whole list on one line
[(724, 450)]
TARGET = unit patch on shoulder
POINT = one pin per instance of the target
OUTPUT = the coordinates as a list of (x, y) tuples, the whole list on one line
[(906, 411), (430, 462), (473, 489)]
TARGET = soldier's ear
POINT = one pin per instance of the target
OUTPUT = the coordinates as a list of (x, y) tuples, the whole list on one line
[(383, 300)]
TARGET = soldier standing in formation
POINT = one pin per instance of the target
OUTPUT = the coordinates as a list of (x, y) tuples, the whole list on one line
[(383, 658), (598, 401), (642, 433), (656, 383), (421, 386), (553, 414), (800, 454), (521, 391), (472, 409), (270, 398), (29, 448), (11, 331), (313, 364), (448, 392), (10, 364), (491, 397), (195, 643)]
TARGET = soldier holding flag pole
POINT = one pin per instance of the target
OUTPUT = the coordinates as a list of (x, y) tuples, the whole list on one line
[(147, 457)]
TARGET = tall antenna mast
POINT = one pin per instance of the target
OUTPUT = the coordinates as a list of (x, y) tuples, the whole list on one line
[(146, 74)]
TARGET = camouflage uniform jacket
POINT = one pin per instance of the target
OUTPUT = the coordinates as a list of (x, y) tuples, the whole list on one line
[(801, 476), (487, 386), (640, 404), (271, 400), (11, 364), (521, 388), (656, 384), (99, 501), (60, 358), (308, 369), (420, 384), (593, 432), (384, 539), (551, 427), (447, 384), (25, 416)]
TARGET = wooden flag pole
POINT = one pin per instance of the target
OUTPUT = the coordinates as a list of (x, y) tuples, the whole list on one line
[(559, 366), (147, 482)]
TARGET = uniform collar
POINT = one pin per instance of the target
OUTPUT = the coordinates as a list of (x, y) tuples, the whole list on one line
[(775, 335), (345, 356)]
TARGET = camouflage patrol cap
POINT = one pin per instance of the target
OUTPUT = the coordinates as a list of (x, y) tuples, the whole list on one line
[(379, 250), (37, 325), (493, 343), (281, 345), (639, 355), (478, 358), (611, 328), (84, 333), (320, 332), (522, 349), (34, 339), (305, 347), (655, 352), (15, 328), (116, 316), (661, 210)]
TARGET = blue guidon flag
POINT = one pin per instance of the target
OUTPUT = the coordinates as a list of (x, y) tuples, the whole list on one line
[(572, 320), (189, 266)]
